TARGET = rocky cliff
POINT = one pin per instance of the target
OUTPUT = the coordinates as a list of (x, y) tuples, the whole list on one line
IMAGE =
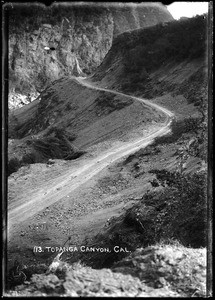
[(47, 43)]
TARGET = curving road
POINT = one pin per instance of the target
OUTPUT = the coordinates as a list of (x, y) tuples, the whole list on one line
[(82, 81), (71, 180)]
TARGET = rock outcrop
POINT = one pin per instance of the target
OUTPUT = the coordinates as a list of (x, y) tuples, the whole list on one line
[(45, 43), (155, 271)]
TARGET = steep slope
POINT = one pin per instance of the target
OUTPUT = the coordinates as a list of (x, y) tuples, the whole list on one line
[(154, 61), (92, 118), (132, 16), (73, 32)]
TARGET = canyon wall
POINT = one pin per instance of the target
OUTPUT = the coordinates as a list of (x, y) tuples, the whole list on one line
[(48, 43)]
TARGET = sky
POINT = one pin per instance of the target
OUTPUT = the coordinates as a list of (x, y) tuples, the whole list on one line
[(187, 9)]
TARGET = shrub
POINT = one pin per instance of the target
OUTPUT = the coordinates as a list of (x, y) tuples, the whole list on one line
[(178, 128), (177, 212), (149, 150), (59, 133), (109, 101), (56, 144), (186, 125), (181, 207), (13, 165), (29, 158)]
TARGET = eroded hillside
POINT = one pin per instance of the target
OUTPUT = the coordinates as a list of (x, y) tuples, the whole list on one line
[(85, 117)]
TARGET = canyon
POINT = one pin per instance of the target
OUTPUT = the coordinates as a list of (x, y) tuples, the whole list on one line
[(45, 43), (111, 153)]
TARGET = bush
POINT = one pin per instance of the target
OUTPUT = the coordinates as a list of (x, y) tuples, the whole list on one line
[(178, 128), (177, 212), (51, 148), (29, 158), (56, 143), (59, 133), (13, 165), (149, 150), (181, 208), (166, 139), (110, 102)]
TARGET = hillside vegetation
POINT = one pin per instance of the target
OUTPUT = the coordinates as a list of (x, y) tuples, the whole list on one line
[(166, 63), (146, 60)]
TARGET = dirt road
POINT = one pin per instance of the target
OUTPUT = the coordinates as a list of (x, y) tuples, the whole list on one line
[(59, 187), (83, 81)]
